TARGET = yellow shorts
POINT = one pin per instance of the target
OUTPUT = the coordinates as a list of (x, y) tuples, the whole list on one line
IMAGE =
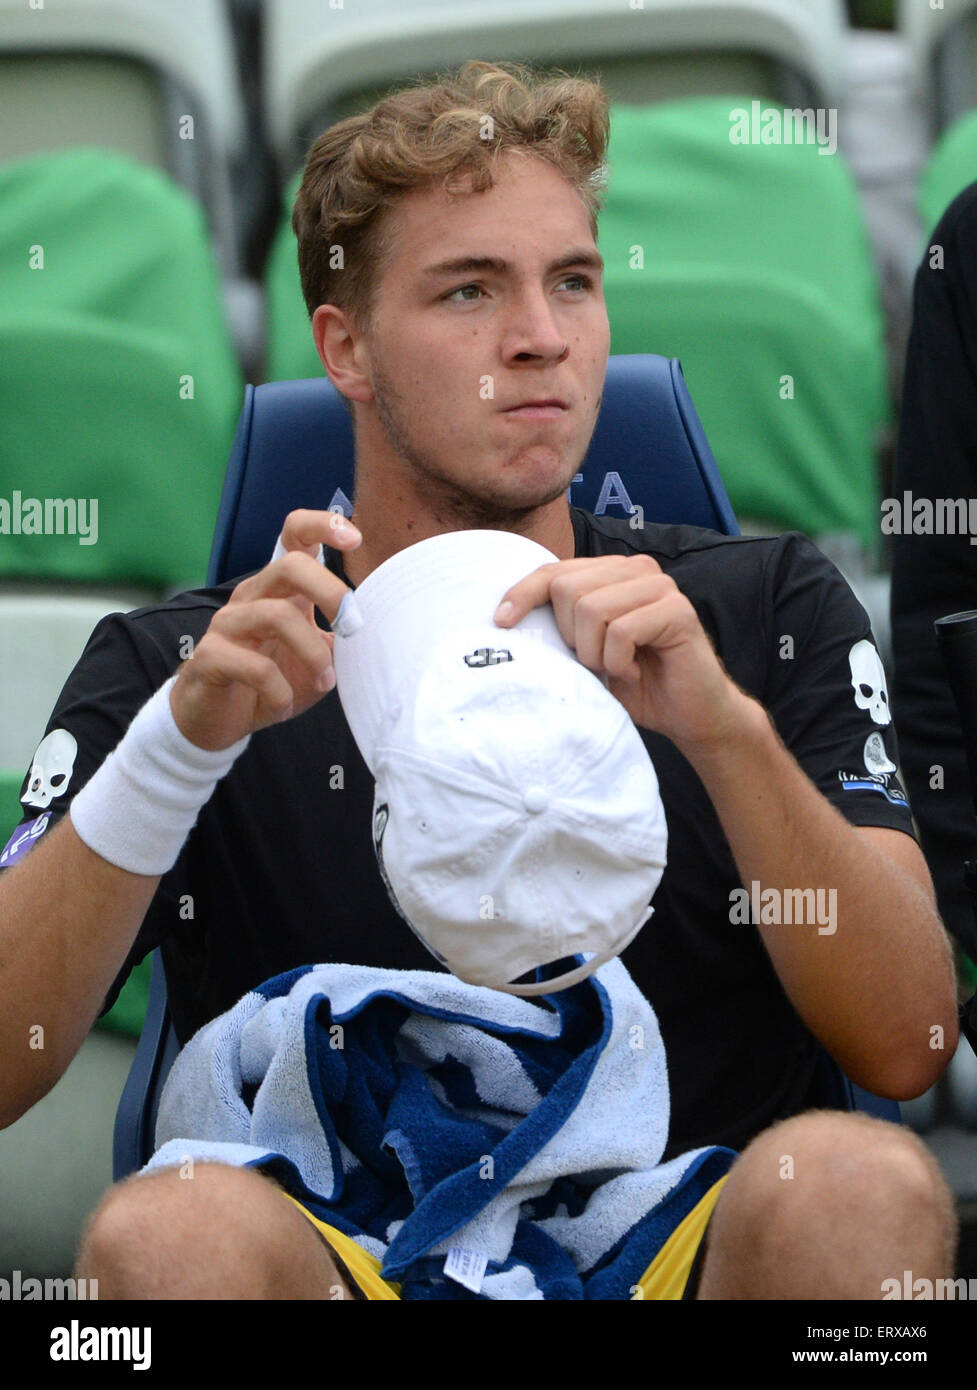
[(665, 1278)]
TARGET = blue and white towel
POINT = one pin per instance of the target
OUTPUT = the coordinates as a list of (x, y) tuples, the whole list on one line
[(422, 1115)]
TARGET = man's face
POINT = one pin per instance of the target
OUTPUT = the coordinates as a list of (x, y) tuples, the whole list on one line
[(452, 349)]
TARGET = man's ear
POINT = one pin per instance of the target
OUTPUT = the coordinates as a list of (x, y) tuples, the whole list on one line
[(340, 348)]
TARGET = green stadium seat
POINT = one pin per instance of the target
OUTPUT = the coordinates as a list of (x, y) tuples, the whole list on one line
[(951, 167), (750, 262), (120, 241), (96, 416), (117, 368), (290, 353), (127, 77), (10, 808)]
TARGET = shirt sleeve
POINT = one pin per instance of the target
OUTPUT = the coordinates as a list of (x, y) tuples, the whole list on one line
[(119, 670), (826, 687)]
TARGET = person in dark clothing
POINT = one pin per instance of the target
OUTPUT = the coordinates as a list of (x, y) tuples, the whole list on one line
[(934, 572)]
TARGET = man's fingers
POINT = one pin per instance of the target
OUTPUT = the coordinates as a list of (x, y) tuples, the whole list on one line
[(569, 577), (571, 588), (663, 623), (295, 574), (223, 663), (529, 593), (306, 530), (596, 609), (231, 687), (279, 620)]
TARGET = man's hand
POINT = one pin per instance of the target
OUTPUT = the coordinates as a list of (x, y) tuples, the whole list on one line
[(624, 616), (263, 659)]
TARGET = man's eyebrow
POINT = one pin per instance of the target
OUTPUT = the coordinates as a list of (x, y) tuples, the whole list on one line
[(470, 265)]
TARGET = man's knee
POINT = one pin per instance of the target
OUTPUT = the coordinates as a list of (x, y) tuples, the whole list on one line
[(179, 1209), (211, 1227), (844, 1163), (828, 1185), (841, 1160)]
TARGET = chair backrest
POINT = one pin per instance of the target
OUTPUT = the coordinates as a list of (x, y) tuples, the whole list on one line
[(791, 50), (294, 448), (941, 42), (127, 77)]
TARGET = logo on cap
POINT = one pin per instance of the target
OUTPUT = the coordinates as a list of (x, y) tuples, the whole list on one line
[(488, 656)]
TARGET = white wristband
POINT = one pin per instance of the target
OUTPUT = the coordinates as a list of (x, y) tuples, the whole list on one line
[(140, 806)]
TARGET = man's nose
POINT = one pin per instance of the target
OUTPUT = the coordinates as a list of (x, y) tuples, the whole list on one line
[(533, 329)]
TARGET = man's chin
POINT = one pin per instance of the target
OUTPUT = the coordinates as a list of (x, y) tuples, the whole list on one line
[(524, 495), (498, 493), (534, 477), (501, 511)]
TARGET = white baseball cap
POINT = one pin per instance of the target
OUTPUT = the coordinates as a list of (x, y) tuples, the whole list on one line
[(516, 818)]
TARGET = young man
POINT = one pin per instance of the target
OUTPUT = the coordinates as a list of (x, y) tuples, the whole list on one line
[(463, 320)]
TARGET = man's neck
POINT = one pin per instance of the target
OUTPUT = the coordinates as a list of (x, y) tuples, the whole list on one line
[(387, 531)]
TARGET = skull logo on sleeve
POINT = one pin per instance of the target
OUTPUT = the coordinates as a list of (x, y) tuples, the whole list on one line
[(868, 681), (51, 769)]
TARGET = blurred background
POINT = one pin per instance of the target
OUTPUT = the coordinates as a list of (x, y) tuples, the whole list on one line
[(149, 154)]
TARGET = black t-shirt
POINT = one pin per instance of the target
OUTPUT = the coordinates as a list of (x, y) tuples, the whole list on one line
[(934, 575), (280, 871)]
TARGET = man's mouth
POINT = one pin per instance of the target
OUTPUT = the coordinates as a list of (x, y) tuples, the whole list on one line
[(548, 408)]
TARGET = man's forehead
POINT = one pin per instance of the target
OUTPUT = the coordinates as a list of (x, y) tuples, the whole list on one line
[(437, 234), (474, 264)]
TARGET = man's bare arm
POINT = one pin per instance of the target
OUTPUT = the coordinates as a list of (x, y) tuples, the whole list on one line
[(67, 921), (879, 989)]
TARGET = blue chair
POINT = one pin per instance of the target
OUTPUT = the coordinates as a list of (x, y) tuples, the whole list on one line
[(294, 448)]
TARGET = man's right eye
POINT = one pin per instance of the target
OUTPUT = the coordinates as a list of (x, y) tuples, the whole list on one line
[(459, 290)]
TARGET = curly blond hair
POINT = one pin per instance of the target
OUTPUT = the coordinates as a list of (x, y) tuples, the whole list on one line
[(460, 121)]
